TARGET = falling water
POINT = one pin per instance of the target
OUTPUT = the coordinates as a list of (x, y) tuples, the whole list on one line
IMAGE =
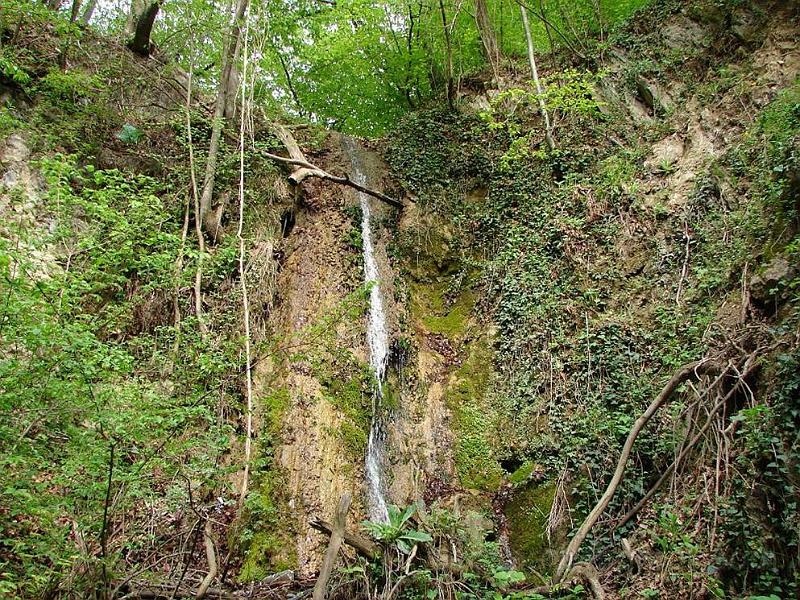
[(378, 343)]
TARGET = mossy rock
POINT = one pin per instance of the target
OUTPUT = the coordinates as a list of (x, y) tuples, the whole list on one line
[(527, 513), (430, 308), (268, 534), (476, 461)]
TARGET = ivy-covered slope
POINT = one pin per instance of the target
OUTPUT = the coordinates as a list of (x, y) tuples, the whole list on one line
[(563, 289)]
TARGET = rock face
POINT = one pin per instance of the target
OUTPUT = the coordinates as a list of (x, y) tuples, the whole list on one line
[(317, 317), (14, 157), (313, 287), (654, 96), (768, 288), (21, 188)]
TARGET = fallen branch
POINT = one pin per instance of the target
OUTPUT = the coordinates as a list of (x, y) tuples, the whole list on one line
[(686, 372), (749, 366), (211, 556), (163, 595), (337, 536), (362, 545), (306, 169)]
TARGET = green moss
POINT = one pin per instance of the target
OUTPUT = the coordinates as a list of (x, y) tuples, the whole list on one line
[(429, 307), (267, 538), (349, 390), (274, 406), (527, 514), (476, 463), (267, 532), (521, 475)]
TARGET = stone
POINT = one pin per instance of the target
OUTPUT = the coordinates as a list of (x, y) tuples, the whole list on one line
[(656, 98), (768, 287), (666, 154)]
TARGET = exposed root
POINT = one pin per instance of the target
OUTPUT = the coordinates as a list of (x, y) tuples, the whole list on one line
[(694, 369), (211, 556)]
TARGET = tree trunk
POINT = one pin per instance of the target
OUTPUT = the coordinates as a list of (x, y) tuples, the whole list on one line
[(548, 133), (143, 27), (136, 9), (488, 37), (449, 62), (76, 7), (223, 91), (88, 12)]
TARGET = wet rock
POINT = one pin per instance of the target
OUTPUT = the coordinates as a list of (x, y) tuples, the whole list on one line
[(769, 287), (655, 97)]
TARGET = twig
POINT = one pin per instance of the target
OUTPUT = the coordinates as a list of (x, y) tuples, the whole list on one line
[(104, 530)]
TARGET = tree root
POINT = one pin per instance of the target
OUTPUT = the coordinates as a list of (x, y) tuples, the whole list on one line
[(688, 371), (749, 367)]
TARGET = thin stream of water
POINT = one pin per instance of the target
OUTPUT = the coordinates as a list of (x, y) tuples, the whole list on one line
[(378, 344)]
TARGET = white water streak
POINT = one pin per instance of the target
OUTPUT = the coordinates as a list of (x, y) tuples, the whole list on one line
[(378, 344)]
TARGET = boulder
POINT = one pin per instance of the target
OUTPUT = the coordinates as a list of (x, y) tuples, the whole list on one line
[(768, 288)]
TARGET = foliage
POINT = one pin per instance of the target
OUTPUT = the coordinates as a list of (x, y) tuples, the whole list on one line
[(395, 531), (11, 71), (760, 528), (86, 414)]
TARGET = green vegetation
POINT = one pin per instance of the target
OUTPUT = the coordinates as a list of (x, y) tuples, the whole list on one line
[(528, 513), (542, 295), (429, 305), (87, 413), (476, 460)]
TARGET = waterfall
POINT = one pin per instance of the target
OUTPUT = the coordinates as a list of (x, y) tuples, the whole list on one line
[(377, 343)]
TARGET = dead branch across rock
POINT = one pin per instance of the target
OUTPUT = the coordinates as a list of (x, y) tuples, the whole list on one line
[(362, 545), (305, 169)]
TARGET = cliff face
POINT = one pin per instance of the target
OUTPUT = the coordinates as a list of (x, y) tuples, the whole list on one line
[(535, 303), (551, 295)]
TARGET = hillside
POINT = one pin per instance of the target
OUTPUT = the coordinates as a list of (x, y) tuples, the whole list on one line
[(530, 370)]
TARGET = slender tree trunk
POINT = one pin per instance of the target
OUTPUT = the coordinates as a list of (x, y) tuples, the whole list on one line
[(88, 12), (76, 7), (143, 27), (219, 109), (337, 537), (201, 245), (449, 62), (549, 33), (243, 282), (542, 107), (232, 85), (488, 37), (288, 76)]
